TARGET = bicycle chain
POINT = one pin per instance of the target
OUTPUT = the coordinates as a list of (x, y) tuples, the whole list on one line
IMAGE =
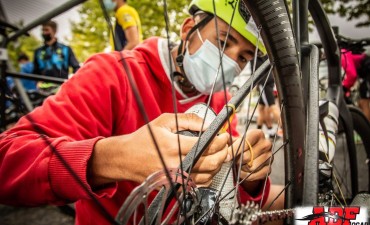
[(250, 214)]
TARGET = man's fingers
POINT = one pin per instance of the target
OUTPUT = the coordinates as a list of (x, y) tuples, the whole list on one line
[(254, 136), (202, 180), (258, 163), (190, 121), (261, 174), (258, 149), (211, 163), (186, 143), (219, 142), (186, 121), (259, 145)]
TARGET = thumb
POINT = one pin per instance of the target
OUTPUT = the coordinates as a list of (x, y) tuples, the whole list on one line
[(186, 121)]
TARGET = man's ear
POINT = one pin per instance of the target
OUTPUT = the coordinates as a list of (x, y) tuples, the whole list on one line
[(186, 27)]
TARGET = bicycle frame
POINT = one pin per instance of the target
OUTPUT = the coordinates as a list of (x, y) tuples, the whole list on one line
[(309, 67), (309, 61)]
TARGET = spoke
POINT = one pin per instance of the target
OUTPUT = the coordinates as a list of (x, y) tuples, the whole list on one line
[(340, 181), (242, 142), (173, 90), (258, 167), (221, 52), (253, 71), (273, 201), (228, 121), (344, 177), (43, 135), (258, 100), (85, 188), (334, 176), (273, 145), (140, 104), (248, 119)]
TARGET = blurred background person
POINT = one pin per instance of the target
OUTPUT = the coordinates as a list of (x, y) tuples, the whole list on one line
[(53, 58), (267, 106), (127, 29), (357, 67), (25, 67)]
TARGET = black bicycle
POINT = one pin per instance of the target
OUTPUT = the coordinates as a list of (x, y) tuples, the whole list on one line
[(311, 176)]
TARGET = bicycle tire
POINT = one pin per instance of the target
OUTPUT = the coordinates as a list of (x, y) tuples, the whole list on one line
[(278, 38), (362, 127), (276, 32), (358, 157)]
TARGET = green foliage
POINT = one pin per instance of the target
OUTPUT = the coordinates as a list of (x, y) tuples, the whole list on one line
[(350, 9), (89, 35), (24, 44), (152, 16)]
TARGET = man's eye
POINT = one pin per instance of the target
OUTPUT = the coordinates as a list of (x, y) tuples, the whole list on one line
[(243, 59), (223, 43)]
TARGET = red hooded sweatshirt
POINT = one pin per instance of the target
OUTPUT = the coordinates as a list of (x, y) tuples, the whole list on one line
[(39, 153), (350, 64)]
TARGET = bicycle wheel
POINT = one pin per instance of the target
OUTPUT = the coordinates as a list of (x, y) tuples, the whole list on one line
[(273, 19), (275, 30), (351, 166)]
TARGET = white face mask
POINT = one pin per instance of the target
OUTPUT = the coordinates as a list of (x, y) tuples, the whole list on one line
[(201, 68)]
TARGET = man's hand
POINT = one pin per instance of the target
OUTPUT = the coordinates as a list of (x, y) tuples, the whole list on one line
[(134, 156), (261, 152)]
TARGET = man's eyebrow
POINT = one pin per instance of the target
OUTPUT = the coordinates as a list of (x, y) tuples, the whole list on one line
[(230, 37), (233, 39)]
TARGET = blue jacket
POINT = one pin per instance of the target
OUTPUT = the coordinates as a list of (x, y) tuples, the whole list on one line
[(28, 85), (54, 60)]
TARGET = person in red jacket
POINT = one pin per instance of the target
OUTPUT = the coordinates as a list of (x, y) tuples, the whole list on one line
[(357, 67), (90, 144)]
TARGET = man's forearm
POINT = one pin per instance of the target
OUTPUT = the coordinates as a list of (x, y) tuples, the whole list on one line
[(104, 166), (130, 45)]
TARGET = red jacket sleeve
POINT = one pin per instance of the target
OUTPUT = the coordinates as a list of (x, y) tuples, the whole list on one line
[(43, 159), (349, 68), (244, 196)]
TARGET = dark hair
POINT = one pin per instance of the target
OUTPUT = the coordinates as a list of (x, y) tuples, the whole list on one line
[(51, 24), (203, 15), (23, 56)]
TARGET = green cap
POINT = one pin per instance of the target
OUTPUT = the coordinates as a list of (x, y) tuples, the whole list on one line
[(242, 21)]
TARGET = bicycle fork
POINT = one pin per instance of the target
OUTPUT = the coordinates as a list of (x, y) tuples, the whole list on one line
[(328, 128)]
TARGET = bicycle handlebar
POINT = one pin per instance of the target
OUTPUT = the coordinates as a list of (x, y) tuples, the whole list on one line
[(4, 24), (356, 46)]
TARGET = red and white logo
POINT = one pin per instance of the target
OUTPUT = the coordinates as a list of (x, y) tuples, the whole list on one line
[(331, 216)]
